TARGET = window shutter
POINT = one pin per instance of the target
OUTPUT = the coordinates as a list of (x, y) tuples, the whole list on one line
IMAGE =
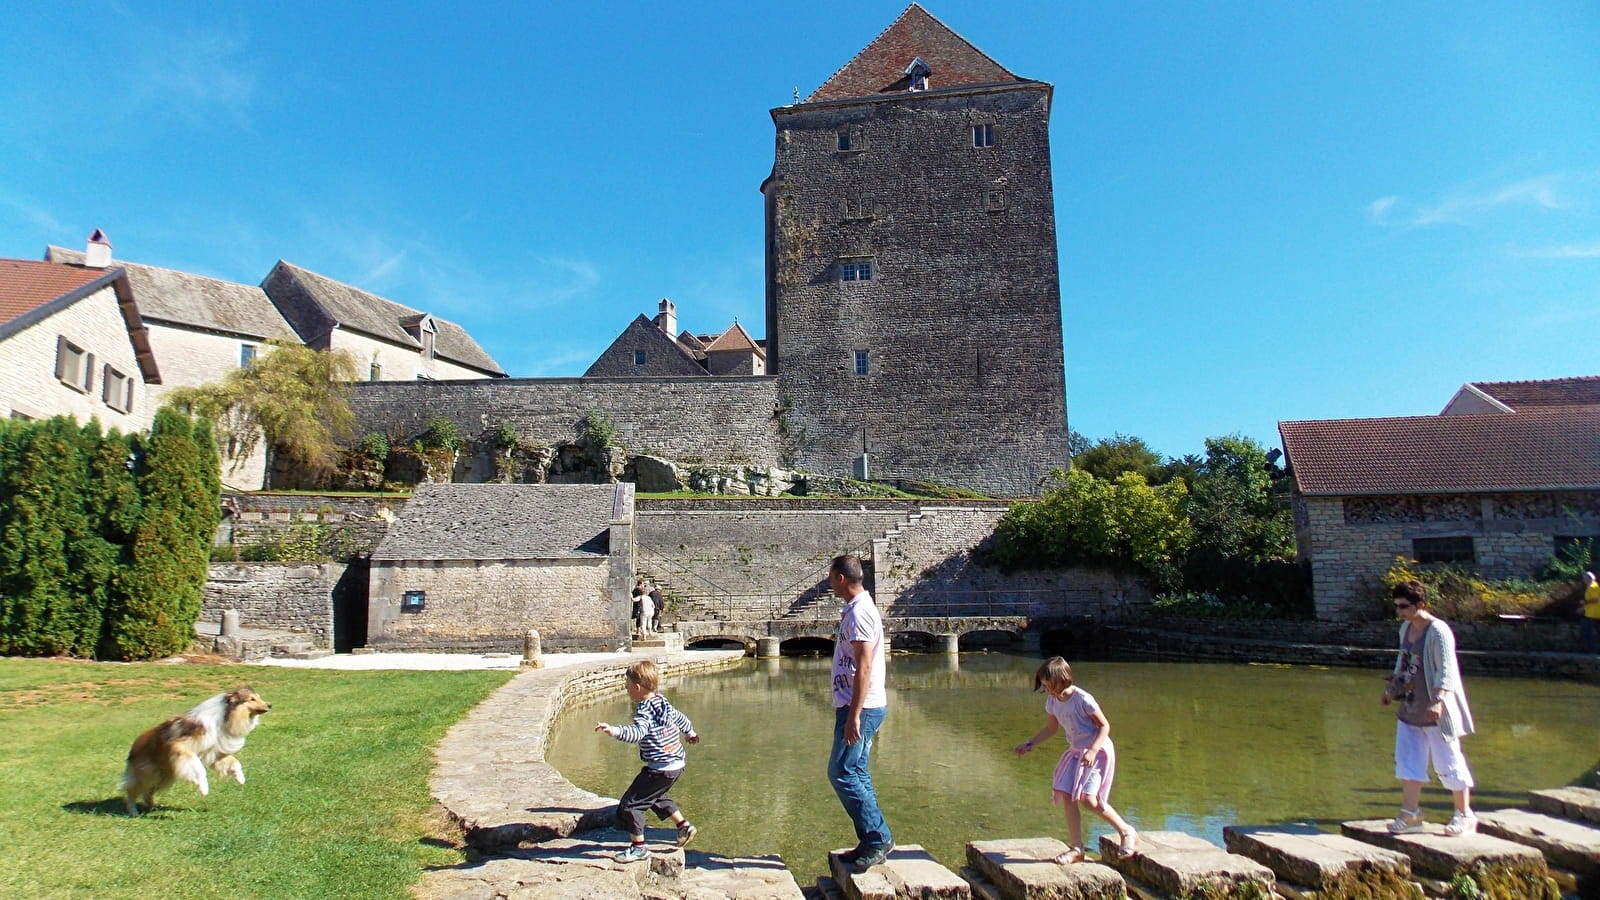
[(105, 387), (61, 356), (88, 372)]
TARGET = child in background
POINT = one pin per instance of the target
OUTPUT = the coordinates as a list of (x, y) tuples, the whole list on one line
[(657, 728), (1083, 776)]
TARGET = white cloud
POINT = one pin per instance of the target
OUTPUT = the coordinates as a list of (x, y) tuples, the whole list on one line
[(197, 75), (1470, 202), (1563, 251)]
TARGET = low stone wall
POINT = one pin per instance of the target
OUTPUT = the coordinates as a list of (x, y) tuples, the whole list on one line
[(355, 524), (296, 598)]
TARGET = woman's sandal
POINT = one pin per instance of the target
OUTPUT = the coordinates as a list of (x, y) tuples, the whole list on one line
[(1129, 845), (1072, 856)]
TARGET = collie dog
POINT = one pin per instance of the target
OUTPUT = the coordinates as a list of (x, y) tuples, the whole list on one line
[(181, 748)]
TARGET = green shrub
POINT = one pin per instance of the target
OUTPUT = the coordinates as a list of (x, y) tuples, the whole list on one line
[(1460, 594), (441, 434), (374, 445), (597, 430)]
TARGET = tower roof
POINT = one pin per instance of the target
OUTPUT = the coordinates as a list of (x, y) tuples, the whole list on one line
[(881, 68)]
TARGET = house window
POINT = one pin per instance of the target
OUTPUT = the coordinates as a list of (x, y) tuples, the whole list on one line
[(983, 135), (844, 141), (74, 366), (117, 390), (413, 601), (850, 139), (247, 355), (857, 208), (994, 201), (1443, 550), (863, 362), (638, 357), (375, 371), (855, 270)]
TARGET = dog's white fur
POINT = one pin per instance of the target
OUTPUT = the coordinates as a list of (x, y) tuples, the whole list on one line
[(182, 747)]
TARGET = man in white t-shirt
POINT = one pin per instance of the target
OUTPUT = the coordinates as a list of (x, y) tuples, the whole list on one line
[(860, 703)]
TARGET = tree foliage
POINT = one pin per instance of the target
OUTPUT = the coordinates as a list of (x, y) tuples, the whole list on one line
[(104, 537), (295, 398), (1107, 458)]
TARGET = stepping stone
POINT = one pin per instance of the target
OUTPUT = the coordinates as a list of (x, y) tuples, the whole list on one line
[(909, 872), (1568, 802), (1564, 843), (1502, 869), (1314, 860), (1174, 864), (1021, 869)]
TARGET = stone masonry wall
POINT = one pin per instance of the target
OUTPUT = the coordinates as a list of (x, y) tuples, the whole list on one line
[(275, 596), (1352, 542), (928, 570), (356, 524), (961, 319), (492, 605), (713, 420)]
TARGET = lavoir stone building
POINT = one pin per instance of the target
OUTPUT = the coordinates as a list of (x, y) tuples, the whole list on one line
[(912, 294)]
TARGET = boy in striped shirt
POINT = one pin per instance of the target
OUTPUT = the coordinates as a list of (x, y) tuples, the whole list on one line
[(659, 730)]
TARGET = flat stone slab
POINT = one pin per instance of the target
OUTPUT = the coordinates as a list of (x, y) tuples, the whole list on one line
[(909, 872), (1174, 864), (566, 869), (1566, 844), (1319, 861), (1021, 869), (1502, 869), (1567, 802)]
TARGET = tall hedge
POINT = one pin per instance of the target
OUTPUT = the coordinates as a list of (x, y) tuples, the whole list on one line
[(104, 537)]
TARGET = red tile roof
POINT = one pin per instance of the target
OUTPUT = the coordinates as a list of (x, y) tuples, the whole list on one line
[(26, 285), (1538, 450), (735, 338), (881, 67), (1521, 395)]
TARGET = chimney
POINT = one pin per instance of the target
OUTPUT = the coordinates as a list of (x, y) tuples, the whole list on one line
[(667, 318), (97, 255)]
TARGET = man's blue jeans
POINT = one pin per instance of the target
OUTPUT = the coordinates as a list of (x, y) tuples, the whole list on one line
[(847, 772)]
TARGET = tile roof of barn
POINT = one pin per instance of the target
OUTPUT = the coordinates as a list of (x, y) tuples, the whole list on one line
[(1520, 395), (735, 338), (345, 306), (1550, 449), (184, 298), (507, 521), (880, 67)]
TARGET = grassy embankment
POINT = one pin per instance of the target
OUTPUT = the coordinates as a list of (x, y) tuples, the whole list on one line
[(336, 803)]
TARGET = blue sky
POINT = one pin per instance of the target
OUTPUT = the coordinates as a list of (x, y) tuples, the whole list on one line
[(1265, 210)]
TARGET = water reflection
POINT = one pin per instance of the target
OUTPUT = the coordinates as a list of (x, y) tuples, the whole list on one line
[(1199, 746)]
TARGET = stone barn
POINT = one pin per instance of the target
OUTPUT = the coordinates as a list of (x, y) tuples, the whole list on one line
[(475, 566)]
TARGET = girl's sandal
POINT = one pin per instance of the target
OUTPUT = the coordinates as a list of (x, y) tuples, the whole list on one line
[(1129, 845), (1072, 856)]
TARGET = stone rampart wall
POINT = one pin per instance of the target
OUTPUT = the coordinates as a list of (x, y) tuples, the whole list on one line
[(355, 524), (274, 595), (728, 420)]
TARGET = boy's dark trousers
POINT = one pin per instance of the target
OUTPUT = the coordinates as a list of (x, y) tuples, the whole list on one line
[(648, 791)]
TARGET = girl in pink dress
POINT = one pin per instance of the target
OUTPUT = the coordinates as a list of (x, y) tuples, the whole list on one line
[(1083, 776)]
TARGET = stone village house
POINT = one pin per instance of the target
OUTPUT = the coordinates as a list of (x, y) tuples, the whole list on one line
[(1499, 481)]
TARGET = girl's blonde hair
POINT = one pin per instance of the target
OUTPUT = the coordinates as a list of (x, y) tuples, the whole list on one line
[(1052, 673), (645, 674)]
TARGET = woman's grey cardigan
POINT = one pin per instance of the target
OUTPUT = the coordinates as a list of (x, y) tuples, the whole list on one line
[(1441, 673)]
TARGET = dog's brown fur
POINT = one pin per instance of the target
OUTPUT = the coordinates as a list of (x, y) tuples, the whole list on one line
[(181, 748)]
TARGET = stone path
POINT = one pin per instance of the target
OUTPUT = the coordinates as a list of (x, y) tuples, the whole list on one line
[(533, 835)]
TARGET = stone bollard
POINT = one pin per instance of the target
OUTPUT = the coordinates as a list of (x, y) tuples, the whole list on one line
[(230, 623), (947, 643), (532, 655), (767, 647)]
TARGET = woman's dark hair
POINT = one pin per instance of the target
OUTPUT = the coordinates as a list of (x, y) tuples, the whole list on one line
[(1414, 591)]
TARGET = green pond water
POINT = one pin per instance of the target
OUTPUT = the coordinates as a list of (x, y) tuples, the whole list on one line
[(1199, 746)]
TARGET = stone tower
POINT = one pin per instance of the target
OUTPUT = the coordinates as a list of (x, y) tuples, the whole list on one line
[(913, 299)]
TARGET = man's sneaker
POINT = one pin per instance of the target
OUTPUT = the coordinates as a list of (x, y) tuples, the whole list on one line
[(686, 833), (1408, 822), (634, 853), (874, 856), (850, 856)]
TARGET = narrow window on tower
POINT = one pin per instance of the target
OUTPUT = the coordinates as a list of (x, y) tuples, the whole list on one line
[(850, 139), (983, 135), (638, 357), (856, 269), (863, 362)]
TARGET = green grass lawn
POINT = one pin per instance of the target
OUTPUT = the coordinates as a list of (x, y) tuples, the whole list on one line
[(336, 803)]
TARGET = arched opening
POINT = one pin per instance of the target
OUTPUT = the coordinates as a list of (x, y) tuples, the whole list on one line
[(716, 642), (806, 646), (911, 640), (989, 640), (1059, 642)]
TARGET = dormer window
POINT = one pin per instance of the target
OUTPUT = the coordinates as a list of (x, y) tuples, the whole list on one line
[(917, 75)]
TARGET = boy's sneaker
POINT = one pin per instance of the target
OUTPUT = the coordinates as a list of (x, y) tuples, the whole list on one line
[(874, 856), (634, 853), (686, 833)]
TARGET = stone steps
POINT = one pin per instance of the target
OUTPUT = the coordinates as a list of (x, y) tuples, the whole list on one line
[(1576, 803), (1171, 865), (1312, 863), (1021, 869), (663, 641), (1502, 869), (909, 872)]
